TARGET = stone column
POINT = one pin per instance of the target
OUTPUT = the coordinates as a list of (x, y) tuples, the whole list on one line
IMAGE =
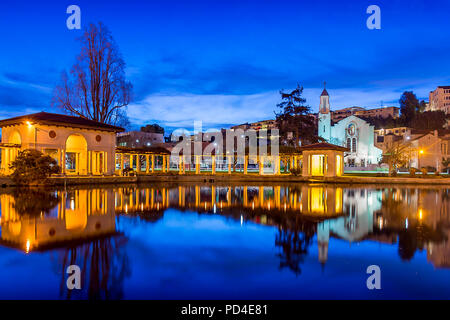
[(245, 164), (197, 164), (261, 165), (121, 163), (105, 162), (63, 162), (138, 163), (153, 163), (229, 160), (147, 164), (277, 165), (213, 164), (88, 162)]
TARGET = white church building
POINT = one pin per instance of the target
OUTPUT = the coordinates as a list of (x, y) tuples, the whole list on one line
[(351, 132)]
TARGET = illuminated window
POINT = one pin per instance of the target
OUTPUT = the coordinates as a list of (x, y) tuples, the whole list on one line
[(317, 164), (338, 165), (71, 159), (354, 145)]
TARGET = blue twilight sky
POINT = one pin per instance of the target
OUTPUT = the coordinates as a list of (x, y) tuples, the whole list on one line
[(223, 62)]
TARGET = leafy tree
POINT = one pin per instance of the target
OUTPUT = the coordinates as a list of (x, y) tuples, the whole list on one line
[(153, 128), (34, 201), (33, 166), (104, 265), (380, 122), (294, 121), (429, 120), (96, 88), (294, 243)]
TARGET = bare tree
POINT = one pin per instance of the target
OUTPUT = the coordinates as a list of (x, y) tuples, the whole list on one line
[(96, 88), (397, 155)]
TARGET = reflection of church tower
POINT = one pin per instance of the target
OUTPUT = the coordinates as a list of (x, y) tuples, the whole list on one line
[(323, 237), (324, 129)]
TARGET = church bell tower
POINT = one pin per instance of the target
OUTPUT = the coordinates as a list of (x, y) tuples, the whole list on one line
[(324, 128)]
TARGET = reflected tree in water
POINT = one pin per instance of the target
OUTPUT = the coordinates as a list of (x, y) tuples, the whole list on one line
[(34, 201), (415, 238), (294, 243), (104, 266)]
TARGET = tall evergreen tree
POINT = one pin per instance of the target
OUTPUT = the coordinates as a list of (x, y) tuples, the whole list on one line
[(409, 106), (294, 121)]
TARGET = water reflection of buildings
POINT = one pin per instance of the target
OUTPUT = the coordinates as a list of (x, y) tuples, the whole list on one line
[(414, 218), (76, 220), (360, 205), (315, 201), (80, 225), (78, 214)]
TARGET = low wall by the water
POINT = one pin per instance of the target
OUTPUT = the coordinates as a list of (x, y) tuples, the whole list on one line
[(235, 178)]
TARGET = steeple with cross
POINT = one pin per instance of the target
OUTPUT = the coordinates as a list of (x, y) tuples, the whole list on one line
[(324, 100)]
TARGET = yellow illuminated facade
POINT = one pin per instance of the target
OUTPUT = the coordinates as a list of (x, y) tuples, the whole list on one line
[(87, 213), (80, 146), (79, 214), (323, 160)]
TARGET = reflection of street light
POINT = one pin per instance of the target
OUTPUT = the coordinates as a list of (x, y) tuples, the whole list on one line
[(27, 246)]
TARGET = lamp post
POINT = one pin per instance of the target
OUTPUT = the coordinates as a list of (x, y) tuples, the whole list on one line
[(418, 158), (30, 125)]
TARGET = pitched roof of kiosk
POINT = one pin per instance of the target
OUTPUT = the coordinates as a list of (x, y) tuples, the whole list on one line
[(323, 146), (60, 119)]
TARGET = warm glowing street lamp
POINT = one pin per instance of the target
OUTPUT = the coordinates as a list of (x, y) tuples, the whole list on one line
[(31, 125), (418, 157)]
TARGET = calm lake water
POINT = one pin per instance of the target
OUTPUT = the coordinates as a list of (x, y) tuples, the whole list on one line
[(213, 241)]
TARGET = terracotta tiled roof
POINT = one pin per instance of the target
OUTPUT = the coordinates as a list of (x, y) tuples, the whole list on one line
[(143, 150), (61, 120), (323, 146)]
